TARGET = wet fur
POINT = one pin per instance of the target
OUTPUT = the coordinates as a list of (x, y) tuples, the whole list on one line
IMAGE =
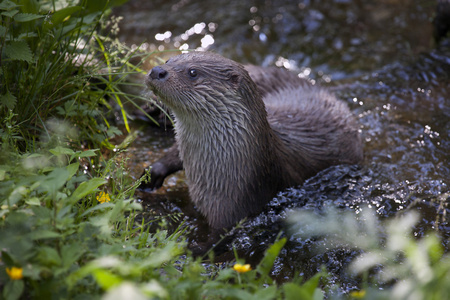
[(240, 142)]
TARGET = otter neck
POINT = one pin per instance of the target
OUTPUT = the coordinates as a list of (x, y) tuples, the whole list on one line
[(231, 154), (228, 134)]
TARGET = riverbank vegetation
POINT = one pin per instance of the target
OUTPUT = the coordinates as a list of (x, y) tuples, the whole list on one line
[(68, 224)]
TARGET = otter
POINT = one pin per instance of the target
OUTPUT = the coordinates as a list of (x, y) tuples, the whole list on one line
[(243, 133)]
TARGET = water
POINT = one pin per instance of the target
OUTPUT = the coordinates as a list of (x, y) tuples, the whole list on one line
[(378, 57)]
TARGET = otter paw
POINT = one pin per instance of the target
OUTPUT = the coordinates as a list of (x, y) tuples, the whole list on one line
[(158, 172)]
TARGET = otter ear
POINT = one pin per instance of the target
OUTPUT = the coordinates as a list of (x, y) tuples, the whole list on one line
[(235, 78)]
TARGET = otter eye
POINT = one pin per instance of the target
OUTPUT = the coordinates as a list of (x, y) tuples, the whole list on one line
[(192, 73)]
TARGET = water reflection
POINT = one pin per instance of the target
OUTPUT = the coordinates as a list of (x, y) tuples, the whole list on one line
[(339, 38)]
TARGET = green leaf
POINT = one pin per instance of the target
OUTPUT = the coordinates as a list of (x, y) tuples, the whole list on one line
[(17, 194), (73, 168), (87, 153), (61, 150), (70, 254), (54, 181), (33, 201), (269, 258), (59, 16), (6, 258), (308, 291), (64, 215), (234, 294), (160, 256), (7, 5), (13, 289), (27, 35), (86, 188), (106, 279), (19, 50), (26, 17), (43, 234), (9, 100), (10, 13), (105, 262), (318, 294), (98, 207), (226, 274), (293, 291), (268, 293), (48, 256), (42, 212), (311, 285)]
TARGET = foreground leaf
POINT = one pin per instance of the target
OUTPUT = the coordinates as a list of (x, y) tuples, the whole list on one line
[(19, 50), (86, 188), (27, 17), (9, 100), (13, 289)]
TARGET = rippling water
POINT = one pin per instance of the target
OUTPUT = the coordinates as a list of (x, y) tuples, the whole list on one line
[(378, 57)]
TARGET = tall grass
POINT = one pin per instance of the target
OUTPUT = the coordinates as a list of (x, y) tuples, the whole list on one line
[(54, 65)]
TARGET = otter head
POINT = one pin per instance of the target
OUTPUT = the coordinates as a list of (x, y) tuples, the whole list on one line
[(204, 85)]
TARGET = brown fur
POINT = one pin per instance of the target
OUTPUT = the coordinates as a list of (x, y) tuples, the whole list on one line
[(240, 142)]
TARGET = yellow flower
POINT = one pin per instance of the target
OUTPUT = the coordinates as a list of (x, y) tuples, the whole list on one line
[(242, 268), (358, 294), (15, 273), (103, 197)]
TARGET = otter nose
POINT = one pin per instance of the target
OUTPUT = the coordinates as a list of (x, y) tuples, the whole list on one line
[(158, 73)]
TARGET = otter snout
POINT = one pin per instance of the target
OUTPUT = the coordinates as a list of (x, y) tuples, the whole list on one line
[(158, 73)]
